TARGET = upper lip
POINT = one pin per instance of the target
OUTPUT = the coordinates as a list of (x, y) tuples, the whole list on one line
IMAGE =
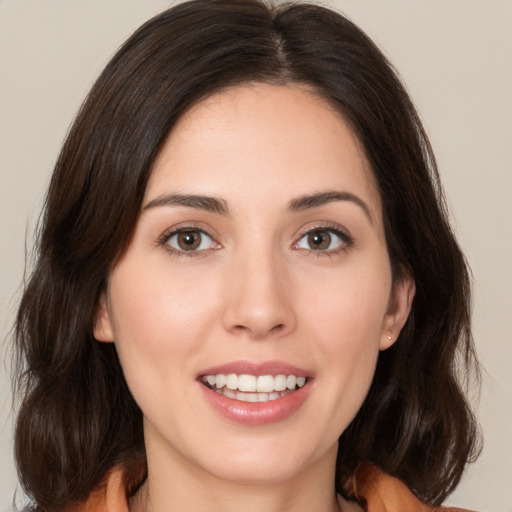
[(257, 368)]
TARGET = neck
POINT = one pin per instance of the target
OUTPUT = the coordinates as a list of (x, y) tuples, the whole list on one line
[(226, 498)]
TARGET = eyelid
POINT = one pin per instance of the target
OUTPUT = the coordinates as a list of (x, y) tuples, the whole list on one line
[(339, 231), (187, 226)]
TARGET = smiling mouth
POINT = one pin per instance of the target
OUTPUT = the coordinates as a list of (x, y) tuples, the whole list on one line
[(252, 388)]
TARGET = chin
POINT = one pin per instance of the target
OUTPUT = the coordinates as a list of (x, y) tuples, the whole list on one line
[(257, 472), (261, 466)]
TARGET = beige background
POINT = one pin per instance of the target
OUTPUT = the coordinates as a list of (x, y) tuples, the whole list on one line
[(456, 58)]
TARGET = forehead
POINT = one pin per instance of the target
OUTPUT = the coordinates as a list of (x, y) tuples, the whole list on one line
[(260, 138)]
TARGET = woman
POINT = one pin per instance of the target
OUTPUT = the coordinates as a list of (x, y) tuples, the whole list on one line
[(247, 292)]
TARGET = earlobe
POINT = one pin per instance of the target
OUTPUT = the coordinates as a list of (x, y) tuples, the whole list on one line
[(102, 324), (399, 308)]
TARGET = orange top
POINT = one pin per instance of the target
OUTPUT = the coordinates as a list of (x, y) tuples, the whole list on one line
[(375, 490)]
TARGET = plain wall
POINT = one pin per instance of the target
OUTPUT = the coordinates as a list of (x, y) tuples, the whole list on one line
[(456, 59)]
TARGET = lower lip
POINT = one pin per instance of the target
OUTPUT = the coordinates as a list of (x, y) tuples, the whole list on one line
[(256, 413)]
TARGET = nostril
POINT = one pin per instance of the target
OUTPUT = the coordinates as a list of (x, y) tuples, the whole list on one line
[(277, 328), (241, 329)]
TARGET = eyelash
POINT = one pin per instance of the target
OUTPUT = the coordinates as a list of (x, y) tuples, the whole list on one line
[(347, 241), (167, 235)]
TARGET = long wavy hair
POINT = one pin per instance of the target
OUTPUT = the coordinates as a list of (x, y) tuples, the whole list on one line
[(77, 418)]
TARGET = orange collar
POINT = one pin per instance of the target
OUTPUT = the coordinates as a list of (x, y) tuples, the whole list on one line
[(374, 489)]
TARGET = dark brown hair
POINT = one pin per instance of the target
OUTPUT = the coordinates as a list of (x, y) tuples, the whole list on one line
[(77, 417)]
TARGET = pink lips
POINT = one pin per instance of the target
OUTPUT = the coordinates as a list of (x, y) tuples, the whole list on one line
[(256, 413), (252, 368)]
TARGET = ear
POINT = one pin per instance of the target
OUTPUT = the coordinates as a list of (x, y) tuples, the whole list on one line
[(399, 308), (102, 323)]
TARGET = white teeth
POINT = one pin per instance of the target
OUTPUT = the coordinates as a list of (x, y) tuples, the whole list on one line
[(265, 384), (246, 397), (252, 397), (252, 388), (232, 381), (280, 383), (229, 393), (247, 383)]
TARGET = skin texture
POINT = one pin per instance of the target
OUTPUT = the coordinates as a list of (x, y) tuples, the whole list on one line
[(254, 290)]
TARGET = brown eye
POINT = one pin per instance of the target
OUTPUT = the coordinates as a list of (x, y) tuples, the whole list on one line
[(319, 240), (190, 240), (323, 240)]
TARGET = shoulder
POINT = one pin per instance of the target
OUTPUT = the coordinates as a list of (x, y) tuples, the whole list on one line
[(108, 496), (378, 491)]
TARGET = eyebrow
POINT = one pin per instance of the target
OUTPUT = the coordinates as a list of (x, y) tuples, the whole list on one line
[(315, 200), (218, 205), (199, 202)]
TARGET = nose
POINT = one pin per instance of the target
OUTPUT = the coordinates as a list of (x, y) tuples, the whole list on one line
[(259, 298)]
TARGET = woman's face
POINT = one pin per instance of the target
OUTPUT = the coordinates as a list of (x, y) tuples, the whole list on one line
[(258, 262)]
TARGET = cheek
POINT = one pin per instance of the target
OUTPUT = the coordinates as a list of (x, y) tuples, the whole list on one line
[(157, 333), (350, 349), (346, 316), (350, 308), (350, 333), (155, 310)]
